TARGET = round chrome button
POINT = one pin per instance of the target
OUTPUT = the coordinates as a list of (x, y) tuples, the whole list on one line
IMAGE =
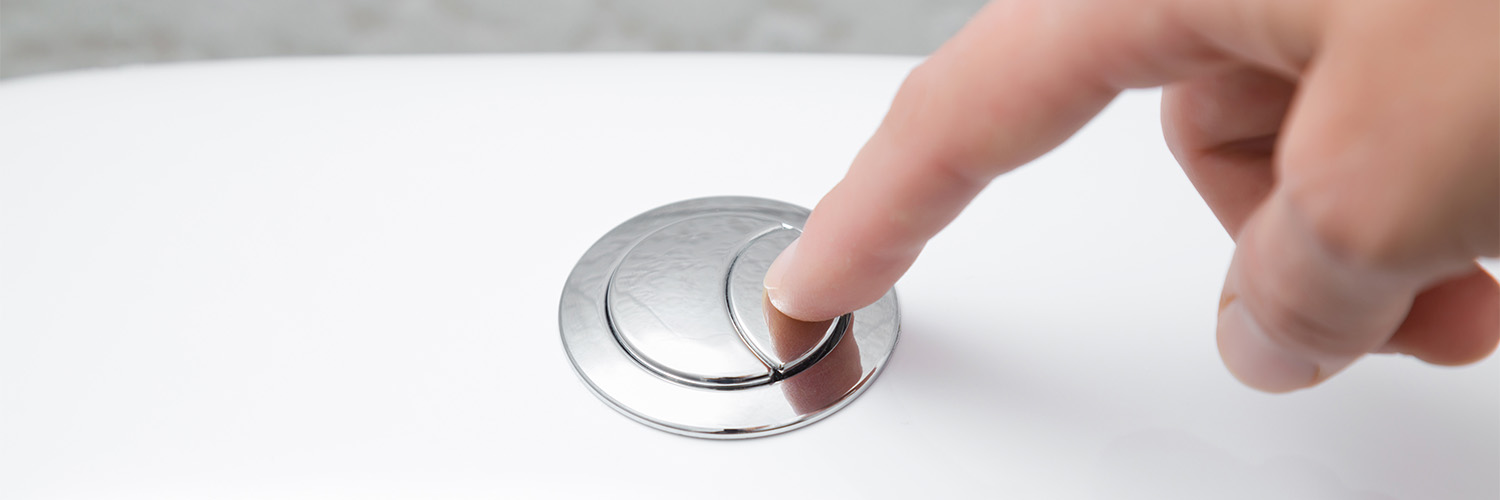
[(666, 320)]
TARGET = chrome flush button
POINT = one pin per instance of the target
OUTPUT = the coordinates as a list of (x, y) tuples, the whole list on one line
[(666, 320)]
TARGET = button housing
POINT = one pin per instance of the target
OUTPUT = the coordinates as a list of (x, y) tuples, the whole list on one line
[(666, 320)]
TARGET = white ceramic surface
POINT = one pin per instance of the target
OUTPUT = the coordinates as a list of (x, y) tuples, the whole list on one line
[(339, 278)]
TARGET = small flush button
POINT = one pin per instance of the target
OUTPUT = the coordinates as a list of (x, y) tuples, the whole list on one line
[(666, 320)]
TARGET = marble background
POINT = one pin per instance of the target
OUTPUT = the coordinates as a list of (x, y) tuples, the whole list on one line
[(39, 36)]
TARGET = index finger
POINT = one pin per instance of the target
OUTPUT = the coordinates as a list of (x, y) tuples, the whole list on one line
[(1019, 79)]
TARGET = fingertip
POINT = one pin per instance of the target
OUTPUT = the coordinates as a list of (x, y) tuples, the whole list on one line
[(797, 308), (1454, 323), (787, 285), (1295, 316), (802, 307), (1256, 360), (1469, 355), (792, 307), (776, 274)]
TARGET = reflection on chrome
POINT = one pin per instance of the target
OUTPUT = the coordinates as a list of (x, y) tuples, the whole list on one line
[(827, 380)]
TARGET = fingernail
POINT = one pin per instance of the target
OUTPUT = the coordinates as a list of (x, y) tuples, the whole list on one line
[(1257, 360), (777, 273)]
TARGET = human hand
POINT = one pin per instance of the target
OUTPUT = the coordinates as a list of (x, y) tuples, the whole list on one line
[(1351, 148)]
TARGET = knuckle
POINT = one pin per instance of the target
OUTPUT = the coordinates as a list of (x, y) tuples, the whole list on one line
[(1344, 227), (1296, 328), (921, 79)]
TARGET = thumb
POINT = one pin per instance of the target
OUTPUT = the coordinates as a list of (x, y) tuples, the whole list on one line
[(1293, 313), (1299, 305), (1368, 211)]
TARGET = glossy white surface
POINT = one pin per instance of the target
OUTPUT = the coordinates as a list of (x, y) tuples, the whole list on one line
[(316, 278)]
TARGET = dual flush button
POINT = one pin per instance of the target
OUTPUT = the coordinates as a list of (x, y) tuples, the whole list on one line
[(665, 318)]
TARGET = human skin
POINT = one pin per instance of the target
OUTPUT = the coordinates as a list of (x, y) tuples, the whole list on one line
[(1351, 148)]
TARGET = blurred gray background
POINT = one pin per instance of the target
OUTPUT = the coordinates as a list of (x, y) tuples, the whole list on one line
[(39, 36)]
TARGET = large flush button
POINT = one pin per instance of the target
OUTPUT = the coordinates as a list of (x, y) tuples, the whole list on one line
[(667, 301), (666, 320)]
